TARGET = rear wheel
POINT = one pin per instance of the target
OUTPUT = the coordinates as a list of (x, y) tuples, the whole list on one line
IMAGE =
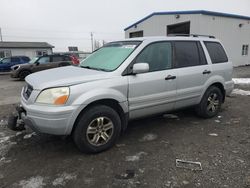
[(97, 129), (23, 74), (210, 103)]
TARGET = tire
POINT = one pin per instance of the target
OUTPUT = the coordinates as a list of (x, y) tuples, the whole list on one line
[(89, 137), (23, 74), (210, 103)]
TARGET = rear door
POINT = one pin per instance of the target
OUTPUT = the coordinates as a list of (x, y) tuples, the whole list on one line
[(155, 91), (193, 72)]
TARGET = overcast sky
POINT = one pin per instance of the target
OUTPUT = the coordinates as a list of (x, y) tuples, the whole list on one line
[(66, 23)]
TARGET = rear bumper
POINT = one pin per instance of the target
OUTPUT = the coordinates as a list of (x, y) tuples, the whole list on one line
[(49, 119)]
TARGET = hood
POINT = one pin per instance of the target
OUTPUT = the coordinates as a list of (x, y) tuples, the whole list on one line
[(64, 76)]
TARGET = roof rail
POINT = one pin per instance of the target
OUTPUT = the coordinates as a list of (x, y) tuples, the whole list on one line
[(191, 35)]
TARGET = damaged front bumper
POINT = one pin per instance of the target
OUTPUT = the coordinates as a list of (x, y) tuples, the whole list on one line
[(46, 119)]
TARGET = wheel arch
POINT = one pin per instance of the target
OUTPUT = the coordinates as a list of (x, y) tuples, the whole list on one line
[(114, 104), (217, 84), (221, 87)]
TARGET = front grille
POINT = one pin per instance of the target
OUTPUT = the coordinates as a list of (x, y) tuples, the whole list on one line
[(27, 91)]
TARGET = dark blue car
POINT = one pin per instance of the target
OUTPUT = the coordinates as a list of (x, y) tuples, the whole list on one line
[(8, 62)]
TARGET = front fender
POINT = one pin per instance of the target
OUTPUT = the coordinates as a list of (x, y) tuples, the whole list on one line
[(99, 94)]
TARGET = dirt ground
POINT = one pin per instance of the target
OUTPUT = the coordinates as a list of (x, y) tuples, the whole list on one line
[(145, 156)]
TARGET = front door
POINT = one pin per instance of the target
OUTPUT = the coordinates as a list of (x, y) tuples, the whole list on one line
[(155, 91)]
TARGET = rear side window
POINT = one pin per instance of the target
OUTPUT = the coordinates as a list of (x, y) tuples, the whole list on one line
[(57, 58), (25, 58), (66, 58), (216, 52), (188, 53), (157, 55)]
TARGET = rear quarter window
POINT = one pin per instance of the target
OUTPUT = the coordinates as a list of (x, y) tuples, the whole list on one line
[(216, 52)]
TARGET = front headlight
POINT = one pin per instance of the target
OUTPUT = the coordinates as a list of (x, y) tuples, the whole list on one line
[(54, 96)]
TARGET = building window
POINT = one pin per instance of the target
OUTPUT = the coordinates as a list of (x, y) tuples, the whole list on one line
[(5, 53), (136, 34), (41, 52), (245, 49)]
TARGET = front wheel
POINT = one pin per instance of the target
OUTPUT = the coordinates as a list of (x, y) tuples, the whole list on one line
[(210, 103), (97, 129), (23, 74)]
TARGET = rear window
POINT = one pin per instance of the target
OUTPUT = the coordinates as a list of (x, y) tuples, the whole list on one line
[(216, 52)]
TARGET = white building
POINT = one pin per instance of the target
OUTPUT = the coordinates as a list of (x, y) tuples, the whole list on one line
[(232, 30), (30, 49)]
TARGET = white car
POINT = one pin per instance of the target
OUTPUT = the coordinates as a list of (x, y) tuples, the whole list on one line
[(126, 80)]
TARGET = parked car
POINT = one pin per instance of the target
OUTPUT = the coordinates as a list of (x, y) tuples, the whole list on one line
[(8, 62), (74, 60), (39, 64), (126, 80)]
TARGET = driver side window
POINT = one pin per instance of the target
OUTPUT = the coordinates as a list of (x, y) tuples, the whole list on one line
[(157, 55), (43, 60)]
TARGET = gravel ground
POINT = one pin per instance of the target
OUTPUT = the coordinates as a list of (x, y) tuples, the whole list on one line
[(145, 156)]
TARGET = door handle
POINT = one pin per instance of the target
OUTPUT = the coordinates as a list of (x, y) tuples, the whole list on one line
[(206, 72), (170, 77)]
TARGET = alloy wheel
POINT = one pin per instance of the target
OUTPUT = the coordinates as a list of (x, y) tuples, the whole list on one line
[(100, 131), (213, 103)]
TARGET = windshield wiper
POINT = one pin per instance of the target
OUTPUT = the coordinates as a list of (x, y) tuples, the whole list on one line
[(94, 68)]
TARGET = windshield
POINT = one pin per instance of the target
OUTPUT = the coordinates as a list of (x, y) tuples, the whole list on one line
[(110, 57), (33, 60)]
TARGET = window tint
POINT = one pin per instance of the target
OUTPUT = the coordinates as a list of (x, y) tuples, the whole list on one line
[(57, 58), (15, 59), (66, 58), (43, 60), (186, 54), (216, 52), (157, 55), (25, 58)]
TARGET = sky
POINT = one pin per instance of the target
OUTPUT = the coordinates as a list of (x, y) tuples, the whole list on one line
[(64, 23)]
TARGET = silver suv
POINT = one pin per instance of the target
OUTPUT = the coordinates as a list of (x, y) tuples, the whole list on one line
[(126, 80)]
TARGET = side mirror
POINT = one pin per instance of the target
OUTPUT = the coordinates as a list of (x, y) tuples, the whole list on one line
[(140, 68), (37, 63)]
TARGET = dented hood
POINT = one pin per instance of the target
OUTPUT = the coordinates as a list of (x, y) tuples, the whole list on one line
[(64, 76)]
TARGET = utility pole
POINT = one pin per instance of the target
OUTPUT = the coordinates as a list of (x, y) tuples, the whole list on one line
[(92, 45), (1, 37)]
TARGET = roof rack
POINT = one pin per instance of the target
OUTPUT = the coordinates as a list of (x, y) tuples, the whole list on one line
[(191, 35)]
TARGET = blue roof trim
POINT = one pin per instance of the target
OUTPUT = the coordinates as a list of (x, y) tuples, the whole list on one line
[(204, 12)]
